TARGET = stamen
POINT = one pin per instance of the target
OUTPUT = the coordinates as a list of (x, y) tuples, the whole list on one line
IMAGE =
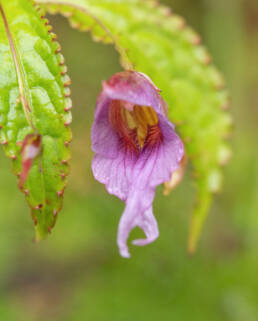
[(144, 117), (137, 126), (126, 134)]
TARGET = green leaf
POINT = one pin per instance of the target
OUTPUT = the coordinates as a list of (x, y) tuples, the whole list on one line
[(152, 40), (34, 101)]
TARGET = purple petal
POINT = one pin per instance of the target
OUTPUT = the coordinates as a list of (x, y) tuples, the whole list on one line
[(153, 167), (146, 221), (115, 173), (131, 87), (104, 139)]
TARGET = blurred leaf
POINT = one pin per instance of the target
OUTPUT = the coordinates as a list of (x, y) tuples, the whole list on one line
[(152, 40), (34, 101)]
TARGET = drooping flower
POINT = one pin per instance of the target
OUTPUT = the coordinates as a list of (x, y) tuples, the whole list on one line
[(136, 149)]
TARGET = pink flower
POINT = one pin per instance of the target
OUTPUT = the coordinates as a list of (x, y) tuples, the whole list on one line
[(136, 149)]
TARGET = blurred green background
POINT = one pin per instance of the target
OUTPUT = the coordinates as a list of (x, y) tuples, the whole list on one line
[(77, 274)]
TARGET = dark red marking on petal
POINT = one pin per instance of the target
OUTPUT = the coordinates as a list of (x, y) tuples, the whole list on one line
[(154, 136), (127, 136)]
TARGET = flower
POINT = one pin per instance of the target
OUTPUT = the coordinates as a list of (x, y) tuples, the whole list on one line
[(136, 149)]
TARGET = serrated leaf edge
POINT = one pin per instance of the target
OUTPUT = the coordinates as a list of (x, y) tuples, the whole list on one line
[(68, 105)]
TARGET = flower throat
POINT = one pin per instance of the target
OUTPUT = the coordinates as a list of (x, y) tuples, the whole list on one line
[(137, 126)]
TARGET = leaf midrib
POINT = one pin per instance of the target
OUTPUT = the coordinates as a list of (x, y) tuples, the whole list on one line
[(17, 63)]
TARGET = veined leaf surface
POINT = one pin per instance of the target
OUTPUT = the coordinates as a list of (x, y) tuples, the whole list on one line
[(34, 100)]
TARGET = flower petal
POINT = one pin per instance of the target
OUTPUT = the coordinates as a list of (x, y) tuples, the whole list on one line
[(104, 139), (115, 173), (153, 167), (131, 87), (128, 221)]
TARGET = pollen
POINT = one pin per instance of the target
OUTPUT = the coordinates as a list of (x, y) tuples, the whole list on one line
[(137, 126)]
